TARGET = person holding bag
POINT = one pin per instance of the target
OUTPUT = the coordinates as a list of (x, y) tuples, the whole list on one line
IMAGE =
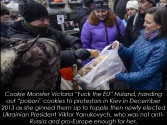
[(102, 28), (148, 53)]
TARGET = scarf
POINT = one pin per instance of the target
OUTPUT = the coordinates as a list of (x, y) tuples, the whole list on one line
[(154, 34), (36, 29)]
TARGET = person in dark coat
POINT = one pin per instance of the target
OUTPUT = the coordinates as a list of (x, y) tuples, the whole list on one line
[(132, 34), (31, 64), (121, 8), (5, 14), (83, 13), (36, 23)]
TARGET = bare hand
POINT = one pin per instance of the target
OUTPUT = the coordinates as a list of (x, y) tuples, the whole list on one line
[(115, 43), (112, 79)]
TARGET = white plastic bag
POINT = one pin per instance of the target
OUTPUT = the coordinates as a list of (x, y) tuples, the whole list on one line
[(97, 78)]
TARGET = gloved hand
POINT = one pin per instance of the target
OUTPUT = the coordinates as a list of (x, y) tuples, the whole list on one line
[(77, 45), (82, 54)]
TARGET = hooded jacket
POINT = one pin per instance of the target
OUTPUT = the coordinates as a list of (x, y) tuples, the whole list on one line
[(29, 64), (68, 58)]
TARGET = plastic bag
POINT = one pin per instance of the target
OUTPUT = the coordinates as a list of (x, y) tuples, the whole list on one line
[(98, 77)]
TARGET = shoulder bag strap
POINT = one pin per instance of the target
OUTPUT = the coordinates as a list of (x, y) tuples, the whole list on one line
[(21, 53), (119, 32), (107, 35), (25, 50)]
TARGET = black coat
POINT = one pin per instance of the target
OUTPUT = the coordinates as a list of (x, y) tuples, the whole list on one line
[(131, 36), (81, 16)]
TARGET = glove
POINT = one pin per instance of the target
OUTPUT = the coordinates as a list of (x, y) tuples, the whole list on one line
[(77, 45), (82, 54)]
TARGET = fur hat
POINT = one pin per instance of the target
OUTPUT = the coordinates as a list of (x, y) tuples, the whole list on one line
[(101, 4), (32, 11), (132, 4)]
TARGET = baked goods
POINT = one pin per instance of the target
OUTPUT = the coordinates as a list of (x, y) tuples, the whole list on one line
[(94, 53), (85, 70), (97, 60)]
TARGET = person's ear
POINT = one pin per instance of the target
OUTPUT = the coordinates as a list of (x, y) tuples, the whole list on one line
[(158, 26)]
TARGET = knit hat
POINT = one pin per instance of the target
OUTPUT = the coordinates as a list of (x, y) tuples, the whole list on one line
[(32, 11), (101, 4), (132, 4)]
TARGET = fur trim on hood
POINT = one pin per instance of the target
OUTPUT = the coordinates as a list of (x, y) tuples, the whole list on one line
[(8, 57)]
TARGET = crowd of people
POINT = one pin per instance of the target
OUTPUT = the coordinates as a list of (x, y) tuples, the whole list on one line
[(140, 32)]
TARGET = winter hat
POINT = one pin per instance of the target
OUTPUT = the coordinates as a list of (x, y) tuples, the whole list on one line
[(132, 4), (32, 11), (101, 4)]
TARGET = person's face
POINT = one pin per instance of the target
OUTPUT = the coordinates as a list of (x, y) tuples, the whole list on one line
[(162, 3), (5, 19), (144, 5), (131, 12), (42, 22), (150, 24), (101, 14)]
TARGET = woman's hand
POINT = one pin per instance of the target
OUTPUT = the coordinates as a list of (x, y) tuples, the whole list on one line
[(112, 79), (115, 43)]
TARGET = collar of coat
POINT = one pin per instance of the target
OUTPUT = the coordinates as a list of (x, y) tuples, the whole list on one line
[(36, 29)]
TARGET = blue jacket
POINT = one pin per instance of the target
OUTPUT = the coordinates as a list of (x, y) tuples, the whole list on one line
[(148, 61)]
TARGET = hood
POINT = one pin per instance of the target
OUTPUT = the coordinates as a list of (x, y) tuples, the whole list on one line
[(18, 30), (81, 12), (8, 57)]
